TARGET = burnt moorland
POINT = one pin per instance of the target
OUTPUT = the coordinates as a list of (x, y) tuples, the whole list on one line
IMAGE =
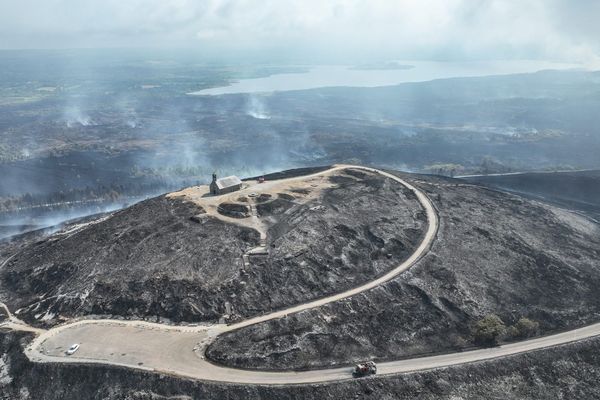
[(158, 260), (495, 253)]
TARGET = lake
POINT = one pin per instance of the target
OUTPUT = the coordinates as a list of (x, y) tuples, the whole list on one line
[(337, 75)]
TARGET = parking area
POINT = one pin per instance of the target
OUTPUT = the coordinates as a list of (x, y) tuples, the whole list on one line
[(132, 345)]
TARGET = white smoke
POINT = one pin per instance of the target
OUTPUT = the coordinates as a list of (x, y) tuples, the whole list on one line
[(256, 108), (74, 116)]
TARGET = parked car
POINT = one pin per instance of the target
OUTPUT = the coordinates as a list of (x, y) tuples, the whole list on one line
[(72, 349)]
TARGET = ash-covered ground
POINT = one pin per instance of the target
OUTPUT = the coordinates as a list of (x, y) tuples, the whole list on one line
[(162, 259), (575, 190), (495, 253)]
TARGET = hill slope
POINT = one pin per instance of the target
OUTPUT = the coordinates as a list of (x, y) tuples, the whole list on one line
[(182, 258), (495, 253), (578, 190)]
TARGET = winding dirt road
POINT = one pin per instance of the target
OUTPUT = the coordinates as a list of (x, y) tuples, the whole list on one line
[(179, 350)]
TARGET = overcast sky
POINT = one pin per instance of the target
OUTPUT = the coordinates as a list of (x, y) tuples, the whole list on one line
[(425, 29)]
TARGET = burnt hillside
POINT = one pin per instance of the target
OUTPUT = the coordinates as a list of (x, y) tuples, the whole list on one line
[(156, 259), (578, 190), (494, 253)]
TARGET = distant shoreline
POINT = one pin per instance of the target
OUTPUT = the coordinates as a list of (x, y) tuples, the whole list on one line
[(378, 74), (382, 67)]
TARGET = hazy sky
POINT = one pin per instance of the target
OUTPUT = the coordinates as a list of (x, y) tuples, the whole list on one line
[(425, 29)]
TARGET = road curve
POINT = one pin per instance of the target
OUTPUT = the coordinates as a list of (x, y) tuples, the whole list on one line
[(13, 323), (432, 228), (179, 350)]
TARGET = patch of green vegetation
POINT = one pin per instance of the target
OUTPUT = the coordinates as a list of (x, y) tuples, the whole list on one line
[(488, 330), (524, 328)]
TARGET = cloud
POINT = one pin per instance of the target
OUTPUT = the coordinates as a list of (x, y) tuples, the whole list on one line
[(556, 29)]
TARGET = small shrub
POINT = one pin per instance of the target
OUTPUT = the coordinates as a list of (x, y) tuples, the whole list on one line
[(488, 330), (458, 342), (524, 328)]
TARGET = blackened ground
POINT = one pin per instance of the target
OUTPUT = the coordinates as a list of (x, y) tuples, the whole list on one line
[(291, 173), (350, 233), (578, 190), (567, 372), (263, 197), (153, 261), (234, 210), (494, 253), (148, 260), (274, 207)]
